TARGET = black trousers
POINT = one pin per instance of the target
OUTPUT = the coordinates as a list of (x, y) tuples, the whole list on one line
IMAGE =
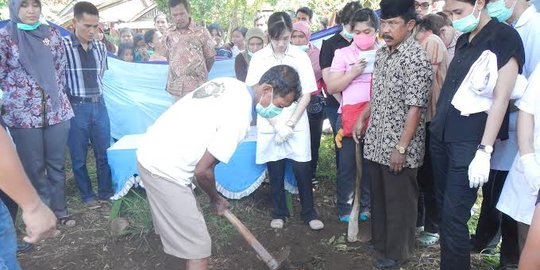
[(393, 208), (454, 199), (428, 213), (332, 115), (491, 220), (315, 129), (276, 171)]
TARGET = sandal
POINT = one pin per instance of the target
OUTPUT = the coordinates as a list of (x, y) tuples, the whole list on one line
[(316, 224), (427, 239), (277, 223), (365, 216), (66, 221)]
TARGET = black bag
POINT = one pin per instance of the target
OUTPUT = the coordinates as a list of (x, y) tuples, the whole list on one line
[(316, 104)]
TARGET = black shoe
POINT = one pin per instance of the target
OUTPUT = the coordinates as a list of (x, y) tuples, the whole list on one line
[(314, 181), (23, 247), (385, 263)]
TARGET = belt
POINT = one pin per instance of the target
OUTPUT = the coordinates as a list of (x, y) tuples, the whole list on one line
[(75, 99)]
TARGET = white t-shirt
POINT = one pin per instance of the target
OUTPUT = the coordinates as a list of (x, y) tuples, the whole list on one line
[(235, 51), (528, 27), (214, 117), (297, 147), (517, 199)]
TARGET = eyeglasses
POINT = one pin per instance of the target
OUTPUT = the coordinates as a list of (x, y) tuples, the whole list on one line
[(424, 5)]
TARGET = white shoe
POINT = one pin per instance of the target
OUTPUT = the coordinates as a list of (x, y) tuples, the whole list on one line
[(316, 224), (277, 223)]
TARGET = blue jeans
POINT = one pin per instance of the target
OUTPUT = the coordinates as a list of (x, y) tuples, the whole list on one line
[(332, 115), (90, 124), (450, 162), (8, 241), (302, 172), (346, 179)]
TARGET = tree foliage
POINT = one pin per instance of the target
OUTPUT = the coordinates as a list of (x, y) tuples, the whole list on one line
[(3, 9), (232, 13), (225, 12)]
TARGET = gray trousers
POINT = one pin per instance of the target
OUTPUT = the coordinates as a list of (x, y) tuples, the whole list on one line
[(42, 151), (394, 207)]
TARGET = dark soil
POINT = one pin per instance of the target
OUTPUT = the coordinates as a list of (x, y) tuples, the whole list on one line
[(89, 245)]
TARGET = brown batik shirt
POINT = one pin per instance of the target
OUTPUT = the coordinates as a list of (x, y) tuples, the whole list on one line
[(187, 50), (401, 79)]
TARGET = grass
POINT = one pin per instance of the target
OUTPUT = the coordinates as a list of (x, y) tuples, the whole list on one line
[(134, 207), (326, 166)]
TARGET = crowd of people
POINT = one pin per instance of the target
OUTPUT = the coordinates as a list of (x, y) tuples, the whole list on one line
[(433, 100)]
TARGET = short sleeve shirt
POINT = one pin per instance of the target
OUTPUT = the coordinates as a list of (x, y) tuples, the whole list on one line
[(401, 79), (187, 51), (359, 89), (215, 118), (448, 124), (530, 103), (297, 147)]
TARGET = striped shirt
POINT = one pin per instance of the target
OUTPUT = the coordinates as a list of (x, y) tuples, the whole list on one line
[(85, 69)]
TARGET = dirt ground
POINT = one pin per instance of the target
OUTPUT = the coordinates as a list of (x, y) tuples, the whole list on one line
[(90, 245)]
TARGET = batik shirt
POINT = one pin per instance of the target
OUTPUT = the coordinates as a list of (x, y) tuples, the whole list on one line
[(26, 104), (187, 51), (402, 78)]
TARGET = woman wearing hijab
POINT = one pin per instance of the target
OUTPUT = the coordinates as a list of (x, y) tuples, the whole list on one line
[(254, 42), (36, 109)]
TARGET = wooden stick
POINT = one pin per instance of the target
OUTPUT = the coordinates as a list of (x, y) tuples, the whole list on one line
[(252, 241), (352, 230)]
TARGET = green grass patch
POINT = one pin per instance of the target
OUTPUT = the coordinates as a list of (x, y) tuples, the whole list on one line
[(136, 209), (326, 166)]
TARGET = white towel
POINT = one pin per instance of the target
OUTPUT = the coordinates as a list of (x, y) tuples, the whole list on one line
[(475, 92)]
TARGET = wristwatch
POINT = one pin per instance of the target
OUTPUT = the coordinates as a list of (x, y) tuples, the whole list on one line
[(290, 123), (401, 149), (485, 148)]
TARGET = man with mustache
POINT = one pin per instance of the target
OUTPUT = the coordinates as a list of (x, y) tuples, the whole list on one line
[(394, 140)]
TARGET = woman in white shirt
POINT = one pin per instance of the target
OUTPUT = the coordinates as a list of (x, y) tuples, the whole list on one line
[(520, 189), (285, 138)]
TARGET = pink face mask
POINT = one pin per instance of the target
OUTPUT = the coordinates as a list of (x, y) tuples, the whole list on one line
[(363, 41)]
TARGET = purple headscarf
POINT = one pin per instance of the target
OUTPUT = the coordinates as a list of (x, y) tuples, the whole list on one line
[(35, 55)]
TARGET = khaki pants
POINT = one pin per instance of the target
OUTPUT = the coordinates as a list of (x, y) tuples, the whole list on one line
[(177, 217)]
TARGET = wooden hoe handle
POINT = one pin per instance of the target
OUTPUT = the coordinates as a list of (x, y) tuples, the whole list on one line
[(252, 241)]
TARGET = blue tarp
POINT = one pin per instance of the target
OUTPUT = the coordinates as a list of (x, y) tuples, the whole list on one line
[(135, 97), (135, 93)]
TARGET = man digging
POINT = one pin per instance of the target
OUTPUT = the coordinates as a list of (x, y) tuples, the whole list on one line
[(188, 140)]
